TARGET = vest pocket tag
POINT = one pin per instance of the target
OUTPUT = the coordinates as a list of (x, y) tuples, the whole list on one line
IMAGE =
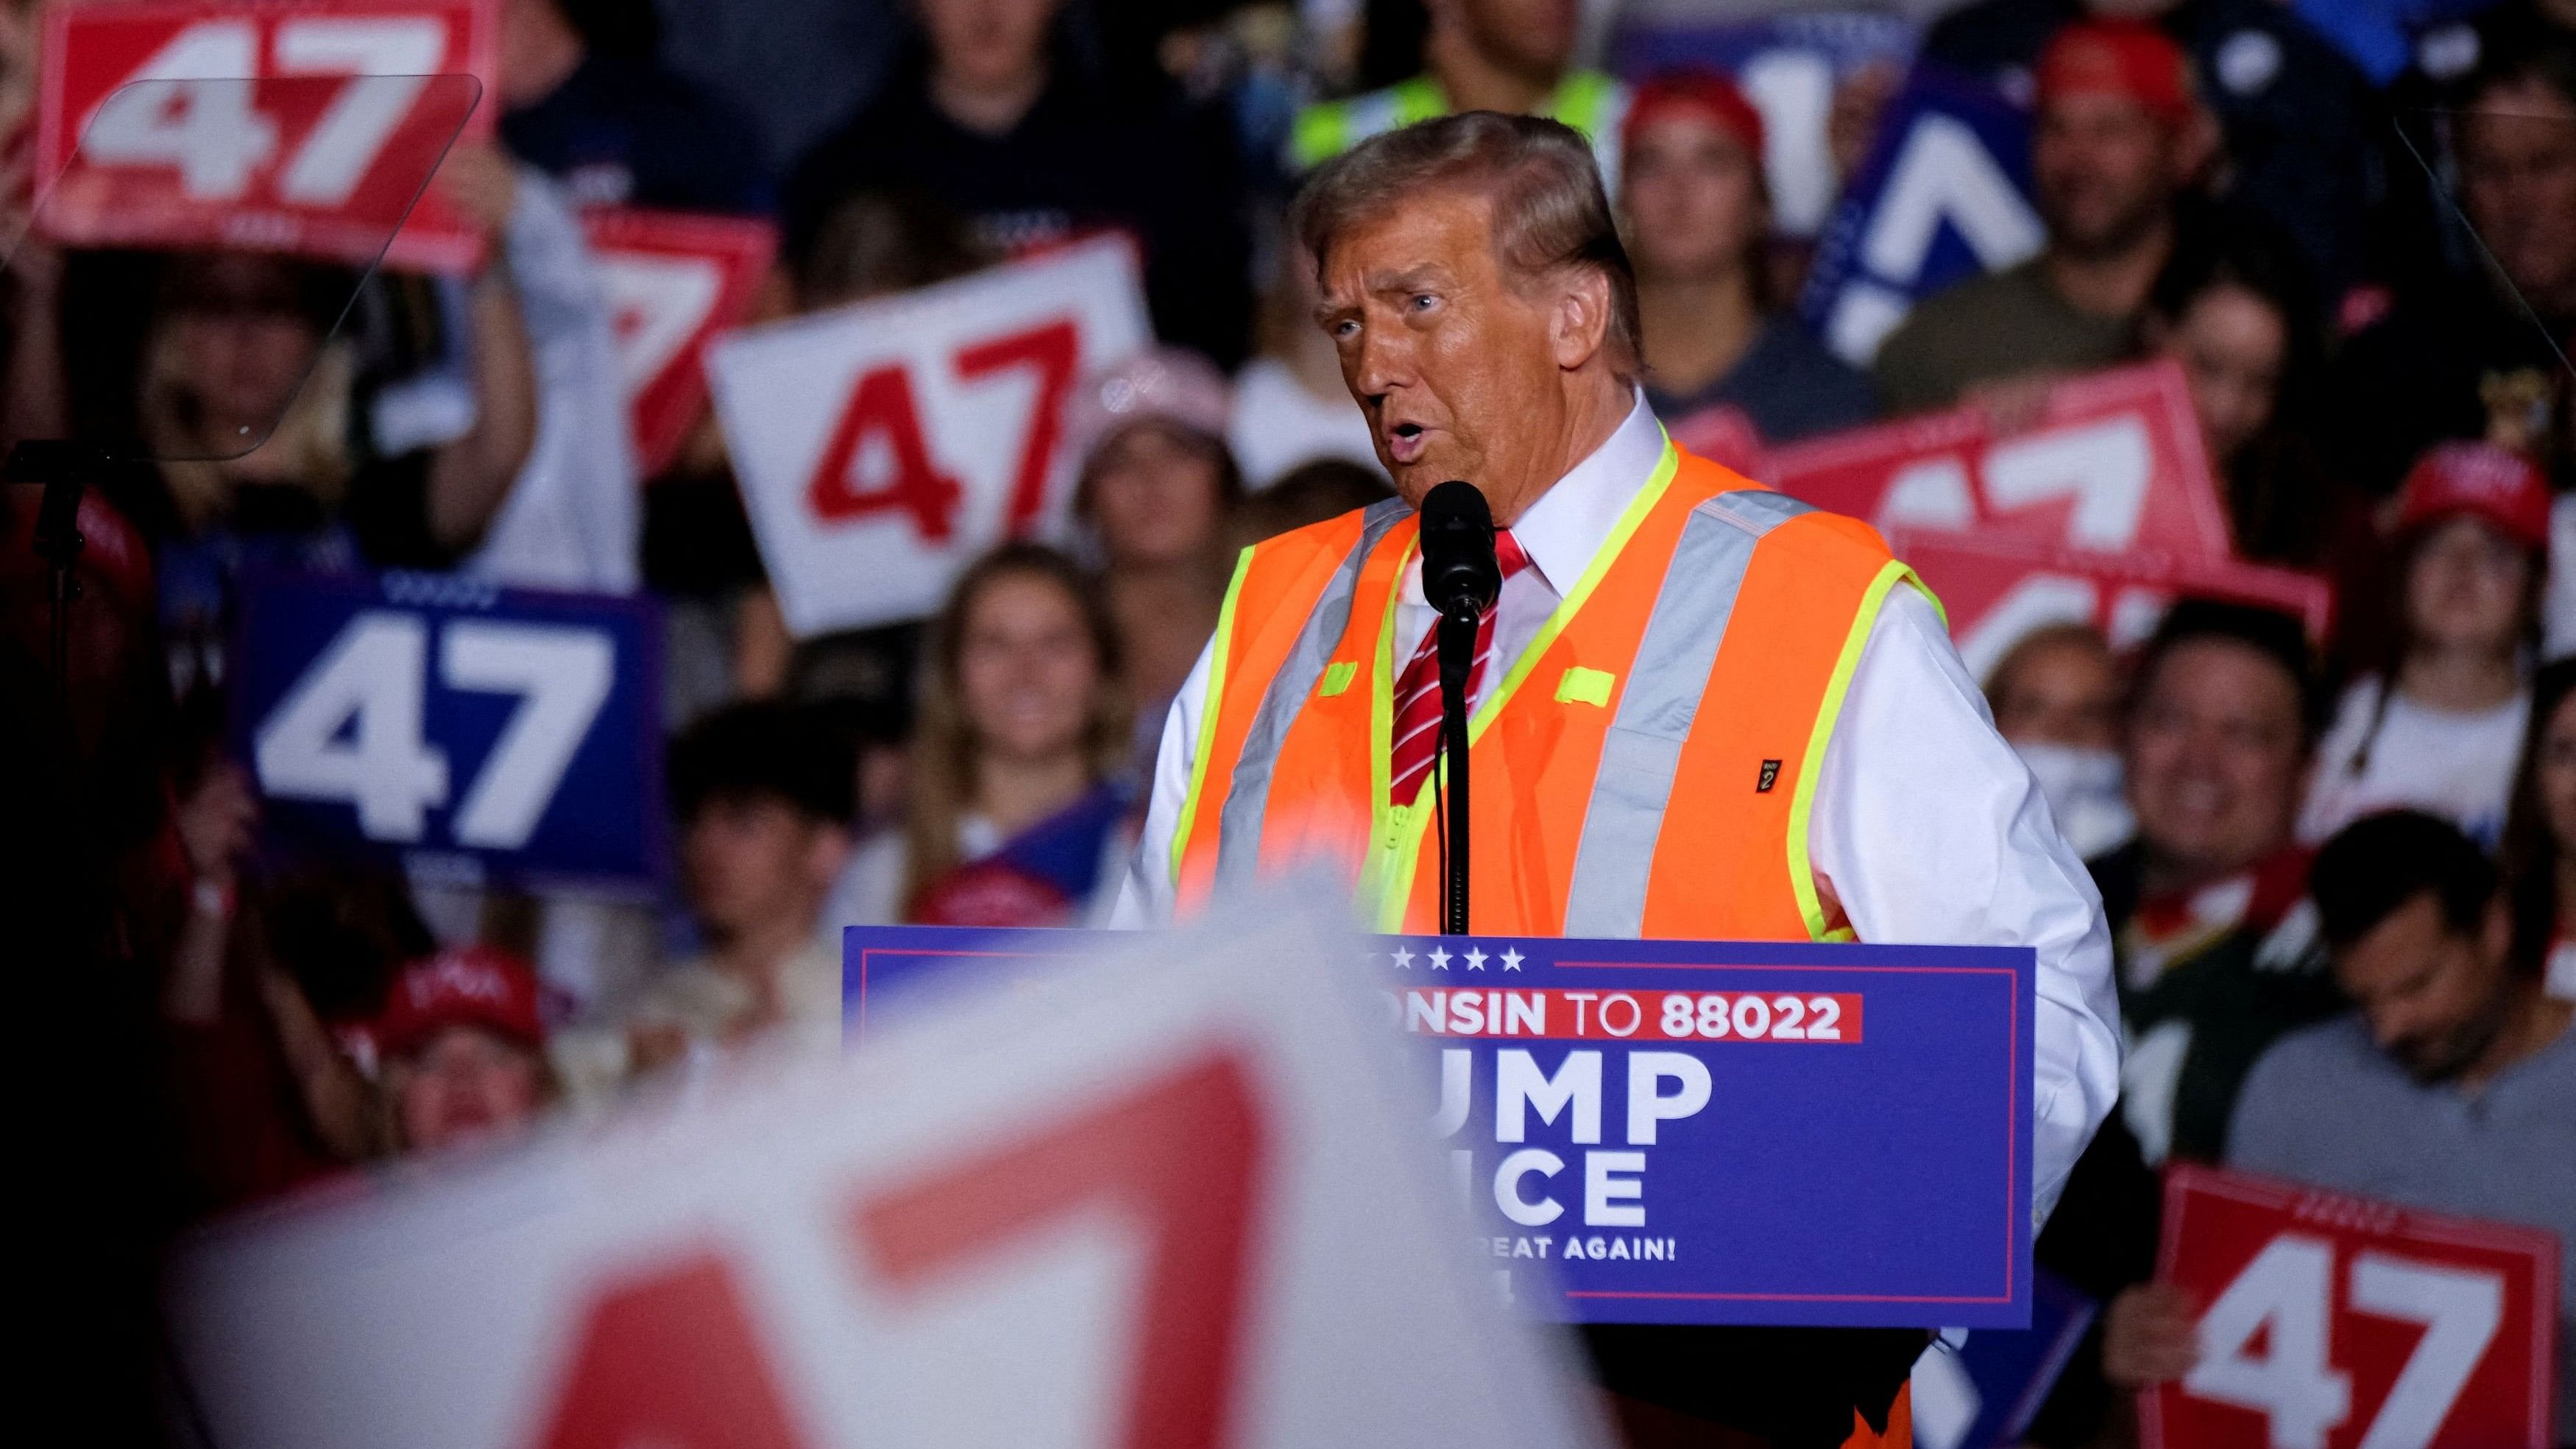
[(1338, 677), (1585, 686)]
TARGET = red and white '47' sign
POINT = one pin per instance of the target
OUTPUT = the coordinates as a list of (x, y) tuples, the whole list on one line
[(674, 279), (1144, 1205), (882, 446), (2333, 1322), (1995, 593), (2115, 462), (304, 126)]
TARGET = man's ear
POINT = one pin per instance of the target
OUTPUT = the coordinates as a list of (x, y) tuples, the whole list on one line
[(1580, 327)]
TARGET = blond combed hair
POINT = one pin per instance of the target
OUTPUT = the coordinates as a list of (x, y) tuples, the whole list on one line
[(1550, 212)]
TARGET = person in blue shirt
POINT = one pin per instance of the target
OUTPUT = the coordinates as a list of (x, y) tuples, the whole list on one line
[(619, 129)]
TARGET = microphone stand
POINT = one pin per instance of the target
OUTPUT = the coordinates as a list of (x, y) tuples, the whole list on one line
[(1461, 579), (1457, 657)]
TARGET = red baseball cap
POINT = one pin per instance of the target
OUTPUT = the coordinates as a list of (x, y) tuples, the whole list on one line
[(2130, 59), (467, 986), (1696, 91), (2495, 484)]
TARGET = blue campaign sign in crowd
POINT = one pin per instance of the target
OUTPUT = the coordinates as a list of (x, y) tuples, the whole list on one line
[(479, 732), (1945, 195)]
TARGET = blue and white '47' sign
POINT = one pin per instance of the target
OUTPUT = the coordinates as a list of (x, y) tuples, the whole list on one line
[(1944, 196), (480, 732)]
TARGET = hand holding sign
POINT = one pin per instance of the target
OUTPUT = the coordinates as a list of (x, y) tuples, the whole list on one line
[(2330, 1322), (883, 446), (289, 125)]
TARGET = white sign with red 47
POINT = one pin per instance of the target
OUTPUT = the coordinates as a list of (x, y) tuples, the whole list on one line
[(2332, 1322), (305, 126), (1153, 1204), (884, 445)]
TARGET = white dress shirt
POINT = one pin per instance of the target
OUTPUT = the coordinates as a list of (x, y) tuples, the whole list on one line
[(1926, 827)]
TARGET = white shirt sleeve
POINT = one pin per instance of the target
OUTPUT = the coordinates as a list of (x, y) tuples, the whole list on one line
[(573, 517), (1931, 831), (1146, 897)]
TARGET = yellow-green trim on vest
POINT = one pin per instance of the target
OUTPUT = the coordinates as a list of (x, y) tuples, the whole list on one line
[(1802, 875), (1327, 129), (1210, 702), (1583, 100), (1400, 838)]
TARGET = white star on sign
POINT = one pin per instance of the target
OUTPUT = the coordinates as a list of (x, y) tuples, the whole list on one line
[(1403, 958), (1475, 959), (1512, 959), (1439, 959)]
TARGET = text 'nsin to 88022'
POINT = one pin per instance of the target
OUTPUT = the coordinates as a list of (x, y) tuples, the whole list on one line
[(1747, 1016)]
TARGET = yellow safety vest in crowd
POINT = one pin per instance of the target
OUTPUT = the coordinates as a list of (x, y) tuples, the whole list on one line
[(1645, 768), (1587, 100)]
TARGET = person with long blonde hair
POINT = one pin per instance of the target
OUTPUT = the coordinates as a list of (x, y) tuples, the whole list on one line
[(1018, 808)]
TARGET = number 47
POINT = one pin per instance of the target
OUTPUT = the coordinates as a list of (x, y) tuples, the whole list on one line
[(2286, 1290), (208, 129), (350, 729)]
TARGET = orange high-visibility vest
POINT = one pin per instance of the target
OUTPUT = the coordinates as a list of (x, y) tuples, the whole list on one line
[(1645, 768)]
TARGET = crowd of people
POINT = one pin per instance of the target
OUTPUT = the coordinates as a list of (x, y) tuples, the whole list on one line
[(2340, 871)]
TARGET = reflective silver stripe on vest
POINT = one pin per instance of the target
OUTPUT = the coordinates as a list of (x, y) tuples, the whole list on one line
[(1643, 749), (1247, 800)]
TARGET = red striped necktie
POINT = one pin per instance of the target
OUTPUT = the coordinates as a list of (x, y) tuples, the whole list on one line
[(1417, 690)]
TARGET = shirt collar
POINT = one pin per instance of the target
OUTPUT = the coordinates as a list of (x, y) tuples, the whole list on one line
[(1570, 521), (1566, 527)]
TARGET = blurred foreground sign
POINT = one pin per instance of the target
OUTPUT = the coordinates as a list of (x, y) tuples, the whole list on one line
[(477, 731), (303, 126), (674, 279), (1996, 593), (884, 445), (2113, 461), (1683, 1131), (2333, 1322), (1149, 1203)]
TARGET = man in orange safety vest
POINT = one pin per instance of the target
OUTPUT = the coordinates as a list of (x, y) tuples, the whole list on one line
[(1700, 709)]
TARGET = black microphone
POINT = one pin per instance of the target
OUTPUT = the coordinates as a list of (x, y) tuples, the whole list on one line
[(1460, 576)]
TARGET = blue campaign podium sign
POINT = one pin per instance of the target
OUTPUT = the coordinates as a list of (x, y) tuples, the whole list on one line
[(1689, 1132), (1943, 195), (478, 733)]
